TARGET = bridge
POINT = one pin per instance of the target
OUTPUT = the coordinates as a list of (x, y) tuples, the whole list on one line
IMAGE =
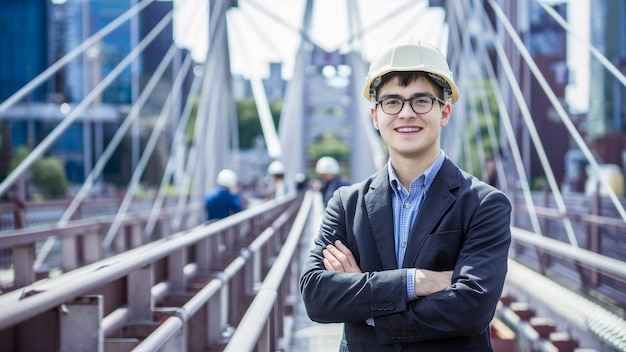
[(124, 259)]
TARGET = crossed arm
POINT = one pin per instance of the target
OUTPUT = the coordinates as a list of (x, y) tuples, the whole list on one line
[(338, 257)]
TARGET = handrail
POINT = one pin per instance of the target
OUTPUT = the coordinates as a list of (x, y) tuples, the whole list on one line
[(53, 292), (159, 337), (264, 299), (587, 218), (604, 264), (32, 234), (255, 320)]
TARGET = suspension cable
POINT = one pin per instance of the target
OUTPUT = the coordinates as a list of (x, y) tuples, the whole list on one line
[(191, 163), (80, 108), (530, 126), (507, 126), (302, 31), (177, 141), (247, 19), (117, 138), (419, 6), (561, 113), (151, 144)]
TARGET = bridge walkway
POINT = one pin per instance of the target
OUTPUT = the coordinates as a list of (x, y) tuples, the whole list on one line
[(307, 335)]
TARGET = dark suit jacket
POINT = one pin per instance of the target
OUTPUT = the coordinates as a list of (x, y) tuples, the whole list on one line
[(463, 225)]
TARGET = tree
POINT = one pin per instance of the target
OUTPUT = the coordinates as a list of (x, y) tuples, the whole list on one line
[(249, 122), (47, 174)]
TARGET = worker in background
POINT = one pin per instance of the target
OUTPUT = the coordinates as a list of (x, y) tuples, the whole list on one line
[(328, 172), (224, 200), (278, 186), (302, 182)]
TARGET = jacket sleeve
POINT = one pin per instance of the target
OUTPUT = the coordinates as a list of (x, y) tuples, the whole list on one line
[(331, 296), (467, 307), (236, 203)]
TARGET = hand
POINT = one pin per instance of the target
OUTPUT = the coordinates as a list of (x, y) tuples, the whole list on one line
[(338, 257), (428, 281)]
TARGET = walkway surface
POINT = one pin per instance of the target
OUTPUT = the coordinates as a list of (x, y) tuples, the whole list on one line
[(309, 336)]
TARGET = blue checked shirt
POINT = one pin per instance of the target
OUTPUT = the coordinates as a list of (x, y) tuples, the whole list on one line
[(406, 206)]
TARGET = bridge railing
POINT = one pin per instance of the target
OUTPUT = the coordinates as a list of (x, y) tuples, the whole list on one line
[(206, 277), (262, 327), (79, 242), (594, 265)]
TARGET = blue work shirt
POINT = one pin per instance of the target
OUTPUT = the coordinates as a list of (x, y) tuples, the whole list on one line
[(221, 203), (406, 206)]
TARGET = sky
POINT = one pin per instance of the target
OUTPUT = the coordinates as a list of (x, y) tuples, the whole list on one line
[(257, 38), (578, 57)]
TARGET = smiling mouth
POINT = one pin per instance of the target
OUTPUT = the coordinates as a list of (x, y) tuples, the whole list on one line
[(408, 129)]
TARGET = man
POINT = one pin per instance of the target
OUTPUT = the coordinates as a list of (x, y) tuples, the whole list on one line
[(414, 257), (278, 186), (223, 200), (327, 169)]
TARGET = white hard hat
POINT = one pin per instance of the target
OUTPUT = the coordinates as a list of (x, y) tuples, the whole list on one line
[(407, 55), (227, 178), (327, 165), (276, 168)]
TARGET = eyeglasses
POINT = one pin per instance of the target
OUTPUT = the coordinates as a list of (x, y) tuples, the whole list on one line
[(420, 104)]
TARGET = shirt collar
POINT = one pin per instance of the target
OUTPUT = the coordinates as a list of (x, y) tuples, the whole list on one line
[(429, 174)]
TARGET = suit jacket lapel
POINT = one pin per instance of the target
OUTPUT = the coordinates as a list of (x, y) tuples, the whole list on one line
[(437, 201), (380, 214)]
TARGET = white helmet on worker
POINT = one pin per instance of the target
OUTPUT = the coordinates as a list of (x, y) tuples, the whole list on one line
[(408, 55), (276, 168), (327, 165), (227, 178)]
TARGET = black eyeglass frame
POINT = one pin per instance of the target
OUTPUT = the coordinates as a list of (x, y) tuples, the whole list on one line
[(410, 100)]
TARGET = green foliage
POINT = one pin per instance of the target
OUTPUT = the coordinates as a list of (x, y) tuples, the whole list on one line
[(329, 144), (538, 183), (20, 154), (47, 173), (249, 122), (481, 88), (189, 131)]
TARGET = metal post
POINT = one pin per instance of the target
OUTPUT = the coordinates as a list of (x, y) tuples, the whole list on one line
[(203, 260), (139, 295), (69, 258), (176, 264), (80, 325), (23, 259)]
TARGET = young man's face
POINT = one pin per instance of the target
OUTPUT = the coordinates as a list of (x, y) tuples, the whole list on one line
[(407, 133)]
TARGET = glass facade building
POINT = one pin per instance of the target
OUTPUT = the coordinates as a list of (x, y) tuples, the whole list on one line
[(607, 111), (23, 45), (36, 33)]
